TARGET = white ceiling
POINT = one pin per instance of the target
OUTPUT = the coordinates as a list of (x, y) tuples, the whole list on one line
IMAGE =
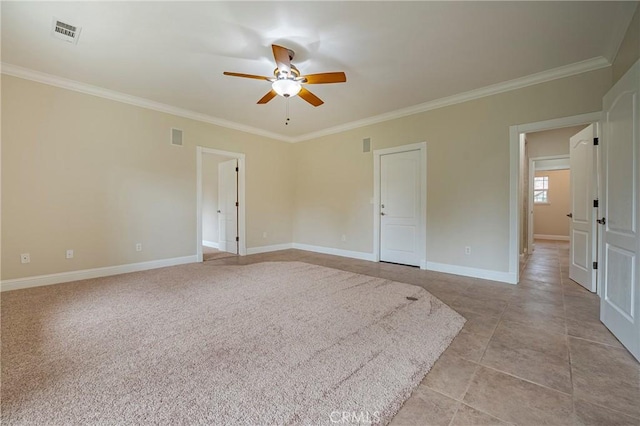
[(395, 54)]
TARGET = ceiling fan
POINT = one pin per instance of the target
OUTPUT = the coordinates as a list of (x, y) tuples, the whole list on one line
[(287, 81)]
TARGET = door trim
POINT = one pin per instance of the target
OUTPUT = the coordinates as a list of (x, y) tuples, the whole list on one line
[(200, 151), (422, 147), (514, 176)]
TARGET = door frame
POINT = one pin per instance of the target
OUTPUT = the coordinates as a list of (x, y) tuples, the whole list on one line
[(377, 154), (200, 151), (532, 172), (514, 177)]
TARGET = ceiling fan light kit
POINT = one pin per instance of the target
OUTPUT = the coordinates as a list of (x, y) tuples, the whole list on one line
[(286, 87), (288, 81)]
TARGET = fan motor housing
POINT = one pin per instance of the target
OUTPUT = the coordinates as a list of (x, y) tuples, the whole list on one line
[(294, 72)]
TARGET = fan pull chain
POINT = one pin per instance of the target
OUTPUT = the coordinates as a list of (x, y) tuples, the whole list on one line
[(286, 123)]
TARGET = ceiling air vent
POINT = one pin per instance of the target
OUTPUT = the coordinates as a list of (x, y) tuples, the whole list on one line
[(65, 31)]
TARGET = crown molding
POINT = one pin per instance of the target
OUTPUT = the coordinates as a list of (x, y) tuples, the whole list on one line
[(76, 86), (518, 83)]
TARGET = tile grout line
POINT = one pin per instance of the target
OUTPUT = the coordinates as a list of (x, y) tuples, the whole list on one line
[(566, 339), (494, 332), (611, 409), (478, 365), (461, 399), (568, 336), (520, 378), (455, 413), (595, 342), (526, 380)]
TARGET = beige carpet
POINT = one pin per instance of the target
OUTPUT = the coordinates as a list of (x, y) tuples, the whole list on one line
[(270, 343)]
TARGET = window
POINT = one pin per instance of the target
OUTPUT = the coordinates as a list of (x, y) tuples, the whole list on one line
[(541, 189)]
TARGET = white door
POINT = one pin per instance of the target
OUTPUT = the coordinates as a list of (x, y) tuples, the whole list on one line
[(400, 207), (620, 299), (582, 232), (228, 205)]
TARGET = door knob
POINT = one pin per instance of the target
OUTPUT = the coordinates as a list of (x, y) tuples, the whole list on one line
[(219, 211), (570, 215), (381, 213)]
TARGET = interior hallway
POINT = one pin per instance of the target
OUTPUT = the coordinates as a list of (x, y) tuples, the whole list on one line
[(530, 354)]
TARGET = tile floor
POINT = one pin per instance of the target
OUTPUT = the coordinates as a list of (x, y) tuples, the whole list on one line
[(530, 354), (209, 253)]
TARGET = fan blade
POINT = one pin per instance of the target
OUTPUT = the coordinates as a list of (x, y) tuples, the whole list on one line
[(310, 97), (266, 98), (236, 74), (281, 55), (325, 77)]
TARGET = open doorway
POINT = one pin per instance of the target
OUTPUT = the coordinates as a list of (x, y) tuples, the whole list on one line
[(546, 186), (563, 196), (220, 204), (521, 188), (550, 199)]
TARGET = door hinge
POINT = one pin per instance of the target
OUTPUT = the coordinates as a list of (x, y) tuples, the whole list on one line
[(237, 170), (596, 141), (236, 204), (237, 238), (602, 221), (595, 203), (595, 265)]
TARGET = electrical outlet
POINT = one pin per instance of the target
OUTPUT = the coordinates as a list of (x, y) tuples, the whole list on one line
[(69, 254), (139, 247), (25, 258), (264, 235), (344, 237), (467, 250)]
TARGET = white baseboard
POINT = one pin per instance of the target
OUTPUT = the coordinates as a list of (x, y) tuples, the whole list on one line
[(84, 274), (266, 249), (505, 277), (485, 274), (210, 244), (337, 252), (551, 237)]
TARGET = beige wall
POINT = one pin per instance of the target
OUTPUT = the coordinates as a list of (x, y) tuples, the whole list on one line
[(551, 218), (97, 176), (629, 51), (550, 142), (467, 171)]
